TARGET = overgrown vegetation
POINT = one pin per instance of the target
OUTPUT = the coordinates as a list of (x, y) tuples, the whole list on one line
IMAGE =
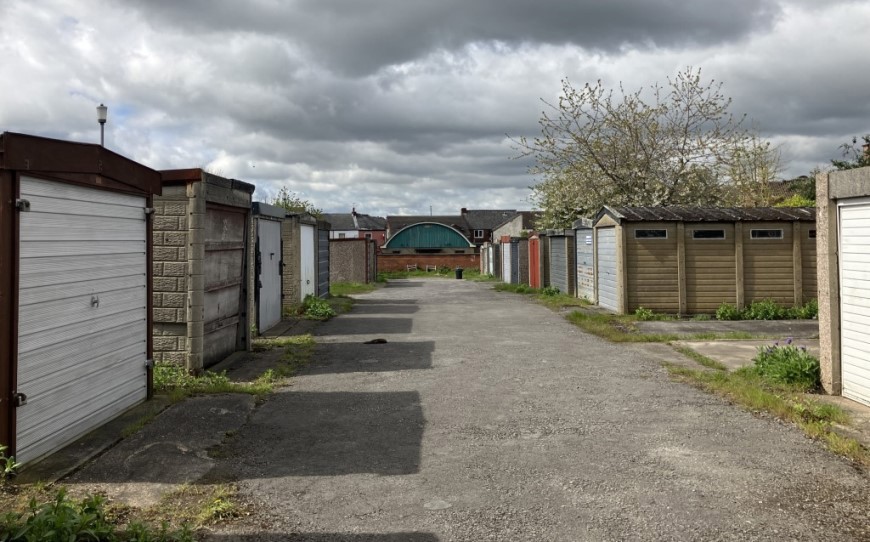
[(178, 383), (549, 295), (341, 289), (758, 391), (439, 272), (621, 328), (648, 315), (317, 309), (69, 520), (768, 309), (788, 364)]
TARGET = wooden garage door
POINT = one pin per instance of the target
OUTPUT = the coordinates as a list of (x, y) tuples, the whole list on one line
[(855, 300), (606, 264), (268, 273), (82, 316), (224, 272)]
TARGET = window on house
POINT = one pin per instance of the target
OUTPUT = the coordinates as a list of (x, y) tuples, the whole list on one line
[(478, 234), (650, 234), (812, 234), (765, 234), (368, 236), (341, 236), (708, 234)]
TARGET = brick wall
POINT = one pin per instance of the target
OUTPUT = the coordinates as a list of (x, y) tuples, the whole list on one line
[(400, 262), (170, 275), (290, 281)]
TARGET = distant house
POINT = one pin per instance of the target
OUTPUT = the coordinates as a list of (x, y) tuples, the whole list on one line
[(356, 225), (519, 223), (481, 223)]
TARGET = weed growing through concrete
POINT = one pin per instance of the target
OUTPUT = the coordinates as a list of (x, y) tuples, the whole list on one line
[(753, 391), (621, 328), (788, 364), (768, 309), (8, 465), (178, 383)]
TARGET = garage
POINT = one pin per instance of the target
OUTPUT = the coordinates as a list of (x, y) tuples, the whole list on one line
[(266, 264), (506, 261), (854, 252), (76, 300), (605, 268), (308, 258), (322, 260), (200, 252), (584, 258)]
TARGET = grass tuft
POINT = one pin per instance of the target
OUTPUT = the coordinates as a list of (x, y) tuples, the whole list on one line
[(341, 289)]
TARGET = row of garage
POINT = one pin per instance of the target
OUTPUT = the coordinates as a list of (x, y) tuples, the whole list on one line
[(108, 266), (676, 260)]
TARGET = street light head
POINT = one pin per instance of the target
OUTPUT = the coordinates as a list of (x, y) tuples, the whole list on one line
[(102, 111)]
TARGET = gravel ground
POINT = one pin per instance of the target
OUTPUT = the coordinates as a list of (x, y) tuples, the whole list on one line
[(488, 417)]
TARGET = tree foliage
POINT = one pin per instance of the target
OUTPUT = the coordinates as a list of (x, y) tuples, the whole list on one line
[(854, 155), (294, 203), (666, 145)]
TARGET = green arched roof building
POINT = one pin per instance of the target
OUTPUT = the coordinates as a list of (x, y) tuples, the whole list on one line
[(428, 235)]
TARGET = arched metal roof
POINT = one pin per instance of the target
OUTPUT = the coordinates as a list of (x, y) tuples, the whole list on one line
[(428, 235)]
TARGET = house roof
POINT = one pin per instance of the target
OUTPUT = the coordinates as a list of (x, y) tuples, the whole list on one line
[(487, 219), (368, 222), (355, 221), (396, 223), (340, 221), (708, 214), (527, 219)]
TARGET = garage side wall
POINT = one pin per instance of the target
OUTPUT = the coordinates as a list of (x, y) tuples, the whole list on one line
[(348, 260), (768, 269), (651, 268), (291, 288), (170, 264)]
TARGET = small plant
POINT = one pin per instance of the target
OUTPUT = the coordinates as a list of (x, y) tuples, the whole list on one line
[(765, 309), (727, 311), (701, 317), (644, 315), (8, 465), (549, 291), (788, 364), (809, 311), (316, 308)]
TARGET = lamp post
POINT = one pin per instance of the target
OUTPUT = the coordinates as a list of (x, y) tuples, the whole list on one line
[(102, 111)]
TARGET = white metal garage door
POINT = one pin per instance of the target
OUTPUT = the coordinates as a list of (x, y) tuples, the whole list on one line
[(585, 271), (269, 279), (308, 271), (506, 262), (82, 317), (855, 299), (606, 265)]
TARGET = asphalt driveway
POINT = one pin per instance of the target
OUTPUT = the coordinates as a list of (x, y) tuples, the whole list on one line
[(488, 417)]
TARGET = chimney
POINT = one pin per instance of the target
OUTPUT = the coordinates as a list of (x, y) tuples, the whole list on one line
[(353, 211), (464, 211)]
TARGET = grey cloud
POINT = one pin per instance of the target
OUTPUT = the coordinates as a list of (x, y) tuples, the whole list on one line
[(361, 37)]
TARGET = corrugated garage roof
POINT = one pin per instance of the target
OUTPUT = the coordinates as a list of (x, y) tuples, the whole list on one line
[(709, 214)]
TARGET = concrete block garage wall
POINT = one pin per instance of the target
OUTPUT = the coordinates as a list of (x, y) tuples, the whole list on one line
[(170, 263)]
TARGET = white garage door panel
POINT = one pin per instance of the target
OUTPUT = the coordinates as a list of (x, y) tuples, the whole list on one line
[(68, 355), (88, 329), (80, 363), (854, 224), (91, 248), (606, 263), (42, 271), (308, 274)]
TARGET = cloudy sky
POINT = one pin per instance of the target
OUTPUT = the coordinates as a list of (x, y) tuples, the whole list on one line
[(399, 105)]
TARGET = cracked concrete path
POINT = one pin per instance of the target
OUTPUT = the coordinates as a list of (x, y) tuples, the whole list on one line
[(488, 417)]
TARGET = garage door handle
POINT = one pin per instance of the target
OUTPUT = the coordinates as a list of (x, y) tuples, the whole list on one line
[(19, 399), (95, 301)]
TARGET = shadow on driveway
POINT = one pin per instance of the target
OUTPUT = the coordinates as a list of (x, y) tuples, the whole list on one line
[(357, 357), (384, 308), (333, 433), (365, 325)]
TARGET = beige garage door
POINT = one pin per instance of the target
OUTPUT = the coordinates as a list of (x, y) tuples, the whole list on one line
[(854, 223)]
